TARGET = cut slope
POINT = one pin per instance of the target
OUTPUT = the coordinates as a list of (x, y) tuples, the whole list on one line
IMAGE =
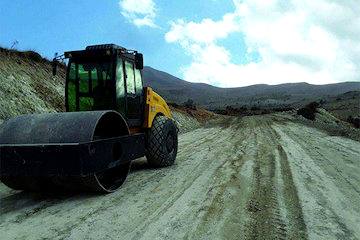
[(27, 84)]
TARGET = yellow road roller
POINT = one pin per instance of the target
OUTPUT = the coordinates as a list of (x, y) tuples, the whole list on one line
[(110, 120)]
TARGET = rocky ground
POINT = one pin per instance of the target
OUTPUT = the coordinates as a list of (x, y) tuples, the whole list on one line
[(258, 177)]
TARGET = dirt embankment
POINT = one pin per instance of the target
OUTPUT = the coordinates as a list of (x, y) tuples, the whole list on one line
[(189, 119), (27, 84), (259, 177)]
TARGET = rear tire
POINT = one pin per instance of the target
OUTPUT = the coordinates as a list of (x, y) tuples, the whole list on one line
[(162, 142)]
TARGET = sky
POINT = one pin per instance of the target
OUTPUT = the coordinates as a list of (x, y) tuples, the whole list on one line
[(225, 43)]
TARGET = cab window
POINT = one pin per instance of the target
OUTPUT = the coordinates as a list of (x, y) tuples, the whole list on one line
[(120, 87), (94, 82), (138, 82), (130, 77)]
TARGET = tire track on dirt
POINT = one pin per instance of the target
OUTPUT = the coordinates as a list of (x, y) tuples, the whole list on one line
[(198, 169), (328, 198), (321, 156), (263, 205), (274, 210), (226, 137), (223, 198), (294, 215)]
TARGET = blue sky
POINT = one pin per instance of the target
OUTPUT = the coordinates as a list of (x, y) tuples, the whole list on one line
[(56, 26), (221, 42)]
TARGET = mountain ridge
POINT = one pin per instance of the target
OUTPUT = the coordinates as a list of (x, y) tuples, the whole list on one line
[(176, 90)]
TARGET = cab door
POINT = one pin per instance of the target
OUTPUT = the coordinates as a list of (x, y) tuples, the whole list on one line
[(133, 95)]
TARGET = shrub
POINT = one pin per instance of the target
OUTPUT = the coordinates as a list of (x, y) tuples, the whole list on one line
[(190, 104), (355, 121), (34, 56), (266, 111), (173, 104), (309, 111), (243, 109), (229, 108)]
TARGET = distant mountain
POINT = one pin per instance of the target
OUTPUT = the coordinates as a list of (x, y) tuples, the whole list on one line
[(178, 91)]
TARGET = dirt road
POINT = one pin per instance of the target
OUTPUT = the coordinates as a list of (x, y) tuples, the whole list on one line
[(250, 178)]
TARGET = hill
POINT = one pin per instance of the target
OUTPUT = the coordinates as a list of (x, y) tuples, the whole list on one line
[(291, 94)]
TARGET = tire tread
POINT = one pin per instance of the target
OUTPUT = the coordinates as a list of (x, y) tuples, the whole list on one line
[(155, 153)]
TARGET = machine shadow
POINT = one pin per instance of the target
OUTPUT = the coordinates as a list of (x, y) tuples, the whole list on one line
[(140, 165), (35, 201), (29, 200)]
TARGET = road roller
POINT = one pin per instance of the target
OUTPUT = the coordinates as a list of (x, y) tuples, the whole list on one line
[(110, 120)]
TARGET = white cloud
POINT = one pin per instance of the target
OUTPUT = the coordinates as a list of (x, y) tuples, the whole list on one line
[(139, 12), (206, 31), (297, 41)]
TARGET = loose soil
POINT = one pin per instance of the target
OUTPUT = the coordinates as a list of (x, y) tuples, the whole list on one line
[(258, 177)]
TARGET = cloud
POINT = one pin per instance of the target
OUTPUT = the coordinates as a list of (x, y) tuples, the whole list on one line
[(207, 31), (297, 41), (139, 12)]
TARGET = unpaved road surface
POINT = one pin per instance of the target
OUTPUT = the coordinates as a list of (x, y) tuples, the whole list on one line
[(251, 178)]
